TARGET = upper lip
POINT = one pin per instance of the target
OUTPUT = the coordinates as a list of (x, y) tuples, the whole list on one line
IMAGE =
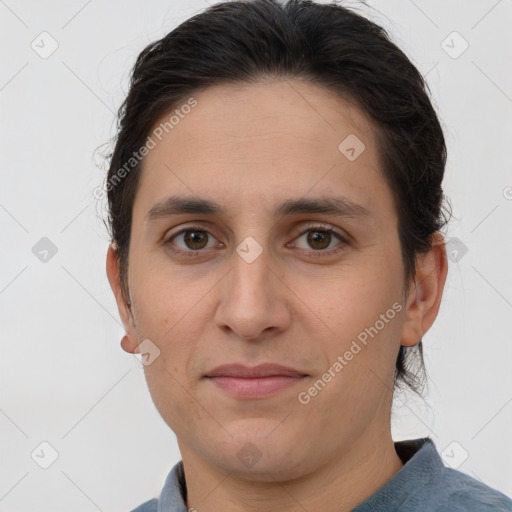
[(246, 372)]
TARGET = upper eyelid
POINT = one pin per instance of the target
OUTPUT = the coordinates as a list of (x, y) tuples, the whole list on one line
[(321, 226)]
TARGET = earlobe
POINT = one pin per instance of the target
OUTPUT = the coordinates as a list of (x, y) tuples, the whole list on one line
[(128, 345)]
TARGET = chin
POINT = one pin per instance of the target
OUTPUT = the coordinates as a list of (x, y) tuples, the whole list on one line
[(252, 453)]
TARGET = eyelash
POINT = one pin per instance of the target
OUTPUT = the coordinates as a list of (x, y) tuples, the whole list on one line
[(317, 227)]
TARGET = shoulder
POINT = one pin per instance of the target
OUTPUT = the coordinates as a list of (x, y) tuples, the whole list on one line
[(147, 506), (457, 492)]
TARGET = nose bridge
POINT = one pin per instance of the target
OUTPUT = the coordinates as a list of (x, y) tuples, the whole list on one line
[(250, 275), (251, 255), (250, 297)]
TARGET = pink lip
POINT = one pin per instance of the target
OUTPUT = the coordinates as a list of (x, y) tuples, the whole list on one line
[(257, 382)]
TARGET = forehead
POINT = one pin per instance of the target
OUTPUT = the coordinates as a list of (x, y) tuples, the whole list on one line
[(254, 144), (240, 117)]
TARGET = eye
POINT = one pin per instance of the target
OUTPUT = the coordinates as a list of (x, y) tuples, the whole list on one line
[(321, 238), (192, 239)]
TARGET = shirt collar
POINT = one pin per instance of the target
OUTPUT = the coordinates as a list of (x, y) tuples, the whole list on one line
[(174, 494), (421, 463)]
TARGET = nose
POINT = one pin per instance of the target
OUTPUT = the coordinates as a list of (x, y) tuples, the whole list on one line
[(254, 299)]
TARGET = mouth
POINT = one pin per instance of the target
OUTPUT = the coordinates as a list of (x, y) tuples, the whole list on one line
[(255, 382)]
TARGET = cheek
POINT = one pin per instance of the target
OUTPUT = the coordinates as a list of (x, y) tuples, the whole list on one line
[(176, 327), (166, 294), (171, 396), (347, 301), (358, 317)]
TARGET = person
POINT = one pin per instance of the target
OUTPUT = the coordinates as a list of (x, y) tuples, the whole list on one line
[(276, 206)]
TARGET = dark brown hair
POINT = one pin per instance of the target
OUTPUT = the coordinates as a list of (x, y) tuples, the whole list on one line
[(325, 44)]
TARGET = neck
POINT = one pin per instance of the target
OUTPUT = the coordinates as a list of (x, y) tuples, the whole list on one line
[(346, 481)]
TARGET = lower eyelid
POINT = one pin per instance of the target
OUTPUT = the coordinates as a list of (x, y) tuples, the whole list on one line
[(342, 241)]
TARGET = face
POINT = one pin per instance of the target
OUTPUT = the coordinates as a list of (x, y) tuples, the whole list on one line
[(313, 289)]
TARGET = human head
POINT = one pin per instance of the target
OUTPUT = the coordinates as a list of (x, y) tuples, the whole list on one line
[(327, 45)]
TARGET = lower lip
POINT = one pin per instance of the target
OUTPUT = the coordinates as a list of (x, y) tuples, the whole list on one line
[(255, 388)]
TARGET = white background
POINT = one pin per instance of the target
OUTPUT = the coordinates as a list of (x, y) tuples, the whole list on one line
[(64, 378)]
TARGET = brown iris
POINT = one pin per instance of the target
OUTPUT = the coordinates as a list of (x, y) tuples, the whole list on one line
[(192, 237), (319, 236)]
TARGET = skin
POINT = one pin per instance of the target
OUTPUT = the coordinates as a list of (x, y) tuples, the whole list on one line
[(249, 148)]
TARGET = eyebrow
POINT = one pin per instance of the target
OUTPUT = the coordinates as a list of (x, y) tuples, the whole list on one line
[(333, 205)]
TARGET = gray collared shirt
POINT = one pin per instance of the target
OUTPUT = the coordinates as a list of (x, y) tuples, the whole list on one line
[(424, 484)]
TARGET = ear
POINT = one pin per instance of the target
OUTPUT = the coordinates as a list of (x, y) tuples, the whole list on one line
[(129, 342), (425, 292)]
